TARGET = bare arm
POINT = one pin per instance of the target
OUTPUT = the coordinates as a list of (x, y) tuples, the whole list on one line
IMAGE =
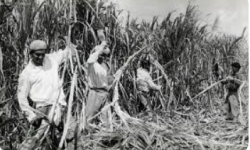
[(153, 86), (93, 57), (62, 55), (236, 80)]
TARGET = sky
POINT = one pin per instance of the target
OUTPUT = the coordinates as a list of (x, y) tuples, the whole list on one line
[(232, 15)]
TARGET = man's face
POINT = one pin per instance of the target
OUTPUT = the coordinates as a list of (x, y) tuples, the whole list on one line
[(234, 70), (38, 57), (103, 58), (146, 65)]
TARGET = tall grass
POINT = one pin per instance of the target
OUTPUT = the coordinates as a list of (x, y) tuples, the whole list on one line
[(184, 53)]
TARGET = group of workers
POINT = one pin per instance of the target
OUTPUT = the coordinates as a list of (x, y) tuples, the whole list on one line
[(40, 83)]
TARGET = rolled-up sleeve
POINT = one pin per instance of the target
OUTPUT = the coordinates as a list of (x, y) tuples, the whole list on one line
[(22, 94), (152, 85), (145, 76), (150, 82), (61, 55), (94, 56)]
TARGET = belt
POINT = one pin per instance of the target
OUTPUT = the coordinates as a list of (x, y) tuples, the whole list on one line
[(99, 89)]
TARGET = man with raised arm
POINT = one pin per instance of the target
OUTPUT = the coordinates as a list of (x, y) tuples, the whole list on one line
[(40, 83), (99, 79)]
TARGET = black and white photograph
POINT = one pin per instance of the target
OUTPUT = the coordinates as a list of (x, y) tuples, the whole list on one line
[(124, 74)]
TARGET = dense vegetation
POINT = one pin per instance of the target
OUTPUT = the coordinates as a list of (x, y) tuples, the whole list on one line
[(185, 54)]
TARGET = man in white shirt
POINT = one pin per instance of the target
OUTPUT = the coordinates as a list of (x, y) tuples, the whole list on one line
[(145, 84), (40, 82), (99, 80)]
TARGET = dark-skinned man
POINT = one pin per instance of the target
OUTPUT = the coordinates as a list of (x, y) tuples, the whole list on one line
[(40, 83), (99, 79), (232, 84), (145, 83)]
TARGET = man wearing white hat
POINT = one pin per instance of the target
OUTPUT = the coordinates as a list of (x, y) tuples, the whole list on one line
[(99, 80), (40, 82)]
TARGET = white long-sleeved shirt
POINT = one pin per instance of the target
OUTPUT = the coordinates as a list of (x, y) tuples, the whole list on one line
[(144, 81), (42, 83), (97, 73)]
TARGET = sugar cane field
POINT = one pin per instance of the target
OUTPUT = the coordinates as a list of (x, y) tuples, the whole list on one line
[(188, 60)]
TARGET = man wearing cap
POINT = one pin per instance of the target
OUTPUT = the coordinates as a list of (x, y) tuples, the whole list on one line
[(99, 81), (40, 83), (145, 84), (232, 84)]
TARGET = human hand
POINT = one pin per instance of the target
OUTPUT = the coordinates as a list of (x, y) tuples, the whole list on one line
[(31, 116), (158, 87), (104, 44), (104, 47), (106, 51), (36, 122), (100, 34)]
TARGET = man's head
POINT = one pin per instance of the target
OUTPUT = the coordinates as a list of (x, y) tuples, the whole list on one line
[(103, 58), (145, 64), (235, 67), (37, 51), (105, 52)]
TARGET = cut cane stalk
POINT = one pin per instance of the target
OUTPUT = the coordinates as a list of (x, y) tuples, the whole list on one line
[(72, 89), (208, 88)]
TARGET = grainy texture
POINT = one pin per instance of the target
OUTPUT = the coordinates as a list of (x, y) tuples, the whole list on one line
[(184, 52)]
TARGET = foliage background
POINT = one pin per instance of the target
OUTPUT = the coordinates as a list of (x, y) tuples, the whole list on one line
[(185, 50)]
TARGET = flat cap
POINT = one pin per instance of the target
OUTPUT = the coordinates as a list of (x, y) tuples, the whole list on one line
[(38, 45)]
